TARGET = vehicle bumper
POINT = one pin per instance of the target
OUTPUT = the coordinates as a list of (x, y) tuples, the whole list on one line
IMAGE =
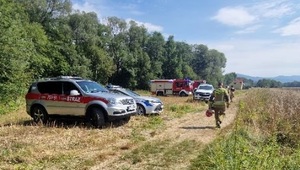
[(119, 117), (198, 97), (117, 112), (155, 109)]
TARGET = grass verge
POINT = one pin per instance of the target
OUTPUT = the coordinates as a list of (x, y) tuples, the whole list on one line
[(265, 135)]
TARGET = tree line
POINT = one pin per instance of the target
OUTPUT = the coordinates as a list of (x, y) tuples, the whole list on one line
[(47, 38), (276, 84)]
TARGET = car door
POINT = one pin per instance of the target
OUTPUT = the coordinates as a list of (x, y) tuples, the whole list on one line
[(50, 96), (71, 105)]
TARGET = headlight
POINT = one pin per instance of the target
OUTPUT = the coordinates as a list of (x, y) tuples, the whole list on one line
[(148, 101), (151, 101), (155, 101), (113, 101)]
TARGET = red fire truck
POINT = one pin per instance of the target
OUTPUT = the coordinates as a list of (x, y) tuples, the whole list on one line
[(163, 87), (196, 83)]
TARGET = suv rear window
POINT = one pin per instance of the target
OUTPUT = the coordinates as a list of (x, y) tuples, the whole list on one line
[(50, 87)]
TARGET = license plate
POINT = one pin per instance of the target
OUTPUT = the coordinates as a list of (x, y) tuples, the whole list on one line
[(130, 108)]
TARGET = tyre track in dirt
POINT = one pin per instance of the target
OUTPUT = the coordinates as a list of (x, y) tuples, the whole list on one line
[(197, 126)]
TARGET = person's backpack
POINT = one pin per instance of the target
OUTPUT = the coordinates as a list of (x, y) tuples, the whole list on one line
[(219, 100)]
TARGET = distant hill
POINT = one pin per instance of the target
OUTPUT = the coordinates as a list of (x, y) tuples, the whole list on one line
[(282, 79), (285, 79), (255, 79)]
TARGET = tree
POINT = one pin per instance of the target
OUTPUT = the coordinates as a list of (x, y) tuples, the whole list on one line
[(248, 83), (268, 83), (140, 67), (118, 51), (15, 50), (185, 55), (229, 78), (65, 59), (200, 61), (171, 65), (155, 51), (87, 36), (291, 84), (208, 64), (44, 11)]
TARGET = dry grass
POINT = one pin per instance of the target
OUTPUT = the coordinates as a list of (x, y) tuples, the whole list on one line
[(273, 111), (265, 134), (25, 145)]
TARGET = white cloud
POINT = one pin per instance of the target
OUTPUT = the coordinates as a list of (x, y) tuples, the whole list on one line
[(261, 57), (234, 16), (150, 27), (224, 47), (133, 9), (293, 28), (253, 13), (273, 8), (87, 7), (250, 29), (90, 6)]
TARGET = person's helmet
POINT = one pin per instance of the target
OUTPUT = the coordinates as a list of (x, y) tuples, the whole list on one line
[(209, 112)]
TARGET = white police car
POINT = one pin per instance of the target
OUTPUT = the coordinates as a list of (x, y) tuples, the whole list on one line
[(145, 104)]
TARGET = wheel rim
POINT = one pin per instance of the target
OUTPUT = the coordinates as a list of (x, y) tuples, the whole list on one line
[(140, 110), (94, 119), (38, 115)]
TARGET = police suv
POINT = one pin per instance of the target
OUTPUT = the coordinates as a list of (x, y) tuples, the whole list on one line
[(75, 96)]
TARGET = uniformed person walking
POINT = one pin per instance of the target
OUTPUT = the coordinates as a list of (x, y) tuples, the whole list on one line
[(219, 100), (231, 93)]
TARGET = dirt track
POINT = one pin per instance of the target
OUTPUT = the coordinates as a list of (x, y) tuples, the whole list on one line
[(192, 126), (196, 126)]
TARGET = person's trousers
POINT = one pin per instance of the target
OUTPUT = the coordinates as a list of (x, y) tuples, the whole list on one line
[(218, 113)]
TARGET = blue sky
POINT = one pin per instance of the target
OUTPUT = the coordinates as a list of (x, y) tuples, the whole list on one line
[(258, 37)]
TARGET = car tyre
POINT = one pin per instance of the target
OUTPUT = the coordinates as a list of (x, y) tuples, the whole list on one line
[(126, 119), (182, 94), (96, 118), (159, 93), (39, 114), (140, 110)]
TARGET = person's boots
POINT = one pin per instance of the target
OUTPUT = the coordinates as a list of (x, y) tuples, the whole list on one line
[(219, 124)]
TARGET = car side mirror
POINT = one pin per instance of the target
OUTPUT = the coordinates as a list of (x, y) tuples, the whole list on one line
[(74, 93)]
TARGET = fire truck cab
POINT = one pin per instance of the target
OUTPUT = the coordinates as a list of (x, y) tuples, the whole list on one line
[(163, 87)]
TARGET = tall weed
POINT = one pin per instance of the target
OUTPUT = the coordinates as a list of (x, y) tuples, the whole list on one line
[(265, 136)]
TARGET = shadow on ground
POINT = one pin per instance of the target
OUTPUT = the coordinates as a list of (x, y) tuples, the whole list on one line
[(67, 123), (198, 127)]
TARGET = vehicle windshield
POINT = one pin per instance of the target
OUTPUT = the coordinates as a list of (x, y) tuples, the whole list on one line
[(206, 87), (131, 93), (91, 87)]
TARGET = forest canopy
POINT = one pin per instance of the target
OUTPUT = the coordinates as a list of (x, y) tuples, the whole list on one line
[(48, 38)]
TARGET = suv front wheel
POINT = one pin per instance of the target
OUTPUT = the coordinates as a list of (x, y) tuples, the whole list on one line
[(96, 117)]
